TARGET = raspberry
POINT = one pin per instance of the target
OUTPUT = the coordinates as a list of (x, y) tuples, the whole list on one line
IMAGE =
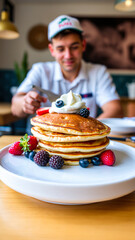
[(41, 158), (59, 103), (84, 112), (16, 149), (107, 157), (56, 162)]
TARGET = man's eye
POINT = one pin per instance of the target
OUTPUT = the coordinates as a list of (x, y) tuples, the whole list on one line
[(74, 47), (60, 49)]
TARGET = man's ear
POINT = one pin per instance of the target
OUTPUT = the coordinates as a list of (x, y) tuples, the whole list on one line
[(50, 46), (84, 44)]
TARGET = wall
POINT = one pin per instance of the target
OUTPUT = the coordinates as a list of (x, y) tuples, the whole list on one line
[(29, 14)]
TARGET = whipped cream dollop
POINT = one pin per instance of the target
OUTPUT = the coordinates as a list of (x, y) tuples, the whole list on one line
[(72, 103)]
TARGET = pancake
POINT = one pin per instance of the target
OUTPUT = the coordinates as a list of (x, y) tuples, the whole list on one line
[(61, 137), (74, 155), (85, 147), (70, 136), (72, 124)]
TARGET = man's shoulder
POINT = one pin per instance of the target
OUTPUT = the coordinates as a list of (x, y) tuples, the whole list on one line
[(93, 66)]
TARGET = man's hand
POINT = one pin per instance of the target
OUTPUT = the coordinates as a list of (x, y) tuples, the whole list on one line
[(26, 103), (31, 102)]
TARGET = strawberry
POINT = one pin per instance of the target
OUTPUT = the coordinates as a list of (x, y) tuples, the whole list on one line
[(28, 143), (107, 157), (15, 149), (42, 111)]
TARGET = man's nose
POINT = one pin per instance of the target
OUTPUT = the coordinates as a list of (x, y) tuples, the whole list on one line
[(67, 53)]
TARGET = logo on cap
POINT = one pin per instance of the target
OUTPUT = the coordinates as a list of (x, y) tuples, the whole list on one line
[(64, 22)]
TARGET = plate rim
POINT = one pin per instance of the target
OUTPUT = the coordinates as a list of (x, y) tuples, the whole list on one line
[(60, 184), (119, 129), (119, 119)]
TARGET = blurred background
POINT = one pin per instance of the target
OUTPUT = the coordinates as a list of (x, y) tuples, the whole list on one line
[(31, 17)]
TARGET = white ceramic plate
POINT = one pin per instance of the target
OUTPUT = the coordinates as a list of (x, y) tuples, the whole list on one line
[(71, 184), (119, 125)]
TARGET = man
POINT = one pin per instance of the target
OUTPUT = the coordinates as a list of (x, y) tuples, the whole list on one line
[(67, 73)]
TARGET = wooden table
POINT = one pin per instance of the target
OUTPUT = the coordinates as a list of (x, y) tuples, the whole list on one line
[(25, 218), (6, 117)]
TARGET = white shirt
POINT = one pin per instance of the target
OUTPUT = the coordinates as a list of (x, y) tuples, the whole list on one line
[(93, 83)]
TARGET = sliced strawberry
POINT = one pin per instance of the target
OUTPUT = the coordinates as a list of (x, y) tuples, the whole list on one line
[(107, 157), (15, 149), (42, 111)]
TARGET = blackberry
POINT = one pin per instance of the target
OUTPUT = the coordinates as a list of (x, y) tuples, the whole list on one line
[(56, 162), (84, 112), (84, 162), (59, 103), (41, 158)]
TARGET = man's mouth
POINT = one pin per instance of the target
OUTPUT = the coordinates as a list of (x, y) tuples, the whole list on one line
[(68, 62)]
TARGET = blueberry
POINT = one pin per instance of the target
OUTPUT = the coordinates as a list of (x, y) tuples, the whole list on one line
[(31, 155), (59, 103), (26, 154), (95, 161), (84, 162)]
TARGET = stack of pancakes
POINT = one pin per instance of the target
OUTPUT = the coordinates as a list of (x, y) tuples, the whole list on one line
[(70, 136)]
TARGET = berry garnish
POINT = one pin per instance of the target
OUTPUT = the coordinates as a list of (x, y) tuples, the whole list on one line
[(59, 103), (41, 158), (26, 154), (84, 112), (107, 157), (84, 162), (95, 160), (42, 111), (28, 143), (31, 155), (56, 162), (16, 149)]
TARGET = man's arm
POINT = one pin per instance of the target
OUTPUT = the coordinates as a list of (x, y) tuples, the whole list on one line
[(112, 109), (26, 103)]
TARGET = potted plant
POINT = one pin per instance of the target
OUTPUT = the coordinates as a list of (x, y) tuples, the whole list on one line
[(20, 71)]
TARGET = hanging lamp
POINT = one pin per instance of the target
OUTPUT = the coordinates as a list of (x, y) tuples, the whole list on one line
[(7, 29), (125, 5)]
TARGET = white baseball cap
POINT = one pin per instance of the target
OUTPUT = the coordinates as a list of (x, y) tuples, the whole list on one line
[(61, 23)]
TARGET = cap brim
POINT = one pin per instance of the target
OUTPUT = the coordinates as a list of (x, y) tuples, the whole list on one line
[(77, 30)]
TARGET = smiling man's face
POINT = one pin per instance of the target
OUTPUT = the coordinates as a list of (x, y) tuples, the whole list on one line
[(68, 52)]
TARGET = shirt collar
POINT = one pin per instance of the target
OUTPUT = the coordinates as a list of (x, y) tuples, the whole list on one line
[(58, 76), (82, 73)]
